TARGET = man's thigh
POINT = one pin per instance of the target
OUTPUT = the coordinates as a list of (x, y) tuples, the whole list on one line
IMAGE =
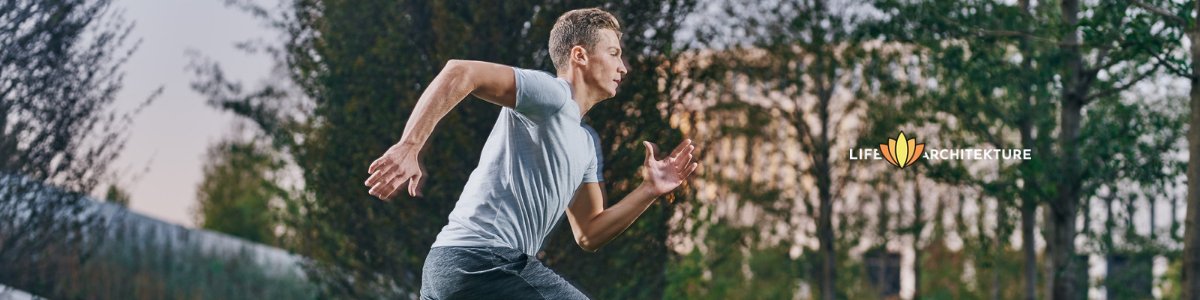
[(548, 284), (490, 273)]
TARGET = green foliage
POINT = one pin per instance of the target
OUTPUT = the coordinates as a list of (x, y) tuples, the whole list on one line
[(734, 267), (801, 79), (1026, 75), (237, 189), (117, 195), (1172, 281), (1128, 144)]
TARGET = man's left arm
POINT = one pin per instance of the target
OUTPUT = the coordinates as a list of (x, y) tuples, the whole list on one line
[(594, 226)]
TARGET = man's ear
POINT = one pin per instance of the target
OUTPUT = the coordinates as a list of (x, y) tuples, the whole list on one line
[(579, 55)]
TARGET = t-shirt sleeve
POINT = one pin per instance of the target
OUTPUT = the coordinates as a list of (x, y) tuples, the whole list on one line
[(595, 170), (538, 94)]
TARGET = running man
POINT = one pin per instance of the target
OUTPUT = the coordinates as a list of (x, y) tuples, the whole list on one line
[(539, 162)]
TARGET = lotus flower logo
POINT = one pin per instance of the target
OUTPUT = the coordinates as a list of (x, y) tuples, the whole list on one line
[(901, 151)]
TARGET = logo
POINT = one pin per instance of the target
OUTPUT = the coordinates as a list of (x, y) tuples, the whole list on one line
[(901, 151)]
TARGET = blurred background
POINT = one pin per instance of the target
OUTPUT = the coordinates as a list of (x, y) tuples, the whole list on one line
[(216, 149)]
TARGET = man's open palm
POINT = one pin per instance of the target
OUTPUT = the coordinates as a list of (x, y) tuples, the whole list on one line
[(663, 176)]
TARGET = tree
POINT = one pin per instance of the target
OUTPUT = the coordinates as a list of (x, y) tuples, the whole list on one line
[(59, 75), (1076, 53), (795, 79), (238, 189), (117, 196), (985, 99), (1181, 17)]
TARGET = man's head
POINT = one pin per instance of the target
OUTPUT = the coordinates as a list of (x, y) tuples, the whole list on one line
[(589, 42)]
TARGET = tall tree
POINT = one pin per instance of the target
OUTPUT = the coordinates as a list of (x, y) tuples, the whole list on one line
[(1063, 51), (60, 71), (1181, 15), (802, 68), (1120, 45), (117, 195), (239, 184), (987, 98)]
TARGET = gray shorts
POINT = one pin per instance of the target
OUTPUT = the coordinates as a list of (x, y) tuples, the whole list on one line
[(490, 273)]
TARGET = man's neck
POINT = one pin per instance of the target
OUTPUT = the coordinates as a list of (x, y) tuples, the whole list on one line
[(580, 93)]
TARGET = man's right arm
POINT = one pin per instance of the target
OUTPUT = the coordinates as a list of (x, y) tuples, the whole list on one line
[(494, 83)]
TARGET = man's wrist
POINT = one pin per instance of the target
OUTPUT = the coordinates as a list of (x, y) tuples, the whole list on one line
[(646, 191), (410, 144)]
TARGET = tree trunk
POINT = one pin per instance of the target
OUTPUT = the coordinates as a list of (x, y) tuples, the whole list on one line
[(1191, 240), (1029, 249), (824, 175), (825, 220), (1063, 209), (1030, 195), (918, 227)]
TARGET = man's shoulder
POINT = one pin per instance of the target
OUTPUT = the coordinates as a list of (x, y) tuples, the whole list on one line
[(534, 72), (540, 94), (540, 81), (533, 76)]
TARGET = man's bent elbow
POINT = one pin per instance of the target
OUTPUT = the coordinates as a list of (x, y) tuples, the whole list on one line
[(455, 68), (457, 76), (587, 244)]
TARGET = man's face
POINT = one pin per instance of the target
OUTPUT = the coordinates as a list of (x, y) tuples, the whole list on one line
[(606, 68)]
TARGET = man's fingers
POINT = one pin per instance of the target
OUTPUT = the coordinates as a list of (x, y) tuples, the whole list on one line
[(419, 184), (650, 150), (377, 191), (371, 181), (382, 172), (378, 171), (408, 185), (393, 188), (682, 161), (683, 146), (390, 185), (691, 168), (375, 164), (387, 190), (421, 181)]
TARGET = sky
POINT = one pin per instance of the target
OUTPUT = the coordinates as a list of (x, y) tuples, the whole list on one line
[(165, 150)]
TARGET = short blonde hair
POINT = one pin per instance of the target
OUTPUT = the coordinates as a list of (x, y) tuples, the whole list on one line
[(579, 27)]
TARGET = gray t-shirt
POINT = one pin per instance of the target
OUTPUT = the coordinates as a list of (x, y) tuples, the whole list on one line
[(537, 155)]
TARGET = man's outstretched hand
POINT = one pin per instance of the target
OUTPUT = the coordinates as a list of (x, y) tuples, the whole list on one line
[(663, 176), (391, 172)]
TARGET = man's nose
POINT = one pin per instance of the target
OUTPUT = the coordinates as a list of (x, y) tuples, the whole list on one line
[(623, 69)]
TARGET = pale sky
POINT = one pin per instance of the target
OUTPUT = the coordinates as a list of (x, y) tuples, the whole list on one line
[(169, 139)]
